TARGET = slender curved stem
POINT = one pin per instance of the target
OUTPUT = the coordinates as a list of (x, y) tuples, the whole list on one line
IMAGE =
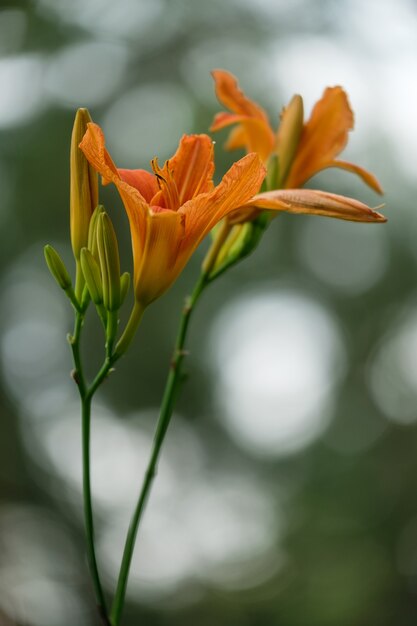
[(86, 395), (167, 406), (88, 510)]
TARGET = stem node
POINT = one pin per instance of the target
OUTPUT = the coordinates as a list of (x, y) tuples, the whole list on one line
[(75, 377)]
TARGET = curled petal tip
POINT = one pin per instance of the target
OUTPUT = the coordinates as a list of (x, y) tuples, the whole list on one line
[(379, 217)]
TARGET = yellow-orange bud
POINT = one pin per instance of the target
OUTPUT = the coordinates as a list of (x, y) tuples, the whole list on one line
[(83, 186), (288, 136)]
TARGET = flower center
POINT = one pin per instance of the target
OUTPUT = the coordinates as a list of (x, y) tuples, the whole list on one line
[(167, 185)]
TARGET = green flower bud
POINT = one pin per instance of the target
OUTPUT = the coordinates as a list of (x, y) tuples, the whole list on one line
[(57, 268), (242, 240), (92, 276), (92, 231), (108, 251), (124, 286)]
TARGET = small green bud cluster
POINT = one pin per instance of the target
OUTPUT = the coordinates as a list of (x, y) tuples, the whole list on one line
[(100, 266), (241, 241)]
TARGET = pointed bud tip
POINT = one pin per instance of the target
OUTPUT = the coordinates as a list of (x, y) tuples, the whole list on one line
[(83, 115), (83, 185), (124, 286)]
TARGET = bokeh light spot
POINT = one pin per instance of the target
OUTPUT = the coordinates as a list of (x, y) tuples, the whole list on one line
[(393, 372), (86, 74), (24, 95), (345, 256), (138, 126), (38, 569), (277, 358), (106, 17)]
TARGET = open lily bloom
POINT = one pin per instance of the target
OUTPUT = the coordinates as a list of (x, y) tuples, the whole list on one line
[(317, 142), (173, 208), (301, 150)]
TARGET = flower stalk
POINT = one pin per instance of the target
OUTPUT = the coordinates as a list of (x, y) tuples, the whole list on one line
[(86, 395), (167, 407)]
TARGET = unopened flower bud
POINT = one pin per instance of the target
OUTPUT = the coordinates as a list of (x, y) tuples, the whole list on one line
[(83, 186), (57, 268), (124, 286), (288, 137), (92, 276), (108, 251), (92, 231)]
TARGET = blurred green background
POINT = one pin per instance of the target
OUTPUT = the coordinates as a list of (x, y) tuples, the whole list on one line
[(287, 494)]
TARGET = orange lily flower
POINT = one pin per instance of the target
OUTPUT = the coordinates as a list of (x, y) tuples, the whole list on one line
[(318, 142), (172, 209)]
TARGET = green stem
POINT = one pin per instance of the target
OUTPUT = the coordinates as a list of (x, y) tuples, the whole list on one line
[(79, 282), (161, 429), (88, 510), (111, 331), (86, 395)]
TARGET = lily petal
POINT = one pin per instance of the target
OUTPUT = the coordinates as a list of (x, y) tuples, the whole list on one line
[(254, 135), (259, 134), (93, 146), (323, 137), (238, 185), (233, 98), (145, 182), (158, 265), (236, 139), (366, 176), (310, 201), (192, 166)]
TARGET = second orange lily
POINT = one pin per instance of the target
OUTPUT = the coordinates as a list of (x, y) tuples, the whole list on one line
[(314, 145)]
